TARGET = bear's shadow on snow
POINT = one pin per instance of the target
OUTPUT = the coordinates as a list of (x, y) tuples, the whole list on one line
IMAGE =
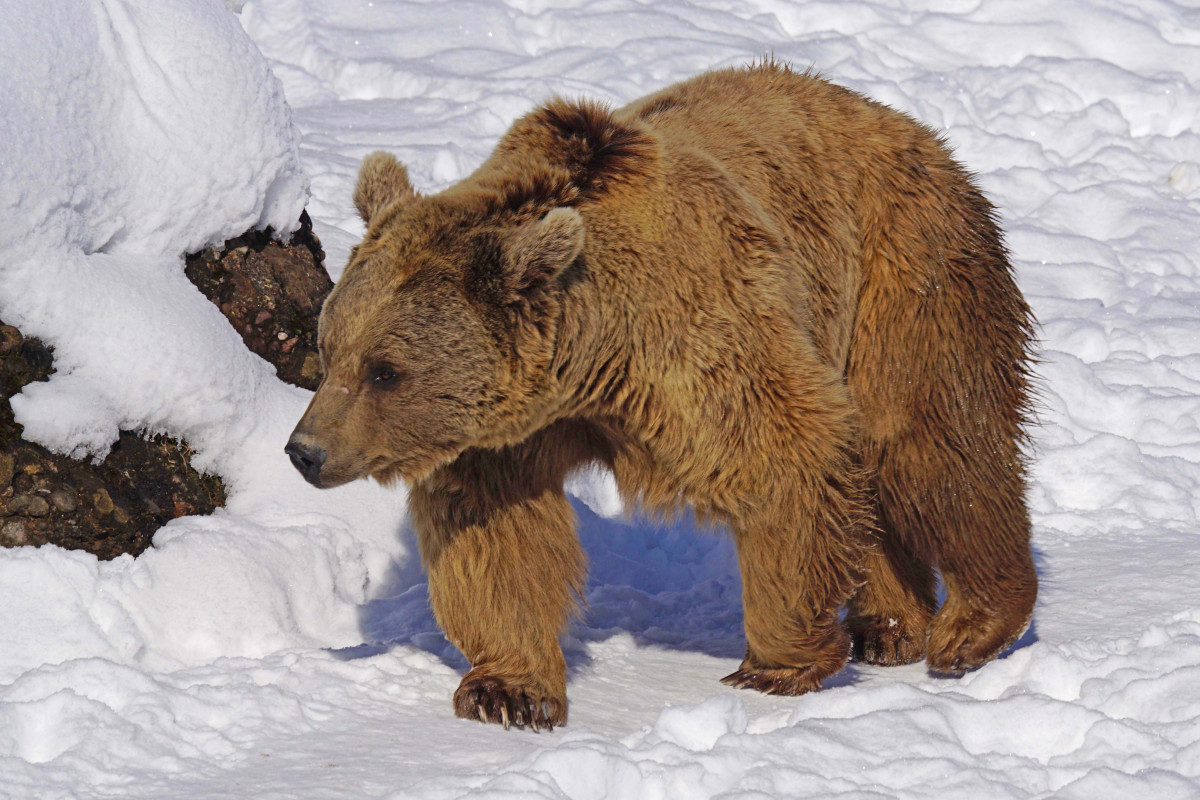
[(672, 586)]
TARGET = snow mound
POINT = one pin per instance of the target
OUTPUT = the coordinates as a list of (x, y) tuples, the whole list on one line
[(171, 134), (167, 130), (132, 132)]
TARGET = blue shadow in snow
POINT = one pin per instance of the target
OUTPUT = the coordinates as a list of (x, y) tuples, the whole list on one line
[(669, 585)]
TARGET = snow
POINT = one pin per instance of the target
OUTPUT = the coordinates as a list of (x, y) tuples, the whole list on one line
[(284, 646)]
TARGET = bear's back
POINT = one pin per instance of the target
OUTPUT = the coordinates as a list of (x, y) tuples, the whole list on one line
[(834, 172), (786, 147)]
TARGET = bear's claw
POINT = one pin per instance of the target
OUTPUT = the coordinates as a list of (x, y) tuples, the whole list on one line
[(775, 680), (490, 700), (886, 642)]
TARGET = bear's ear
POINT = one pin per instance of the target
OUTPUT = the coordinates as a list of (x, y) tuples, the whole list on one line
[(541, 250), (382, 180)]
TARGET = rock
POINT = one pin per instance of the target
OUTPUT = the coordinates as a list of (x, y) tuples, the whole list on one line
[(28, 505), (310, 371), (47, 498), (12, 533), (272, 294), (63, 500), (102, 501), (6, 468)]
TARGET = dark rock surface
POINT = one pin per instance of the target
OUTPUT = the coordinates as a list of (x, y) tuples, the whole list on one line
[(272, 294), (109, 508)]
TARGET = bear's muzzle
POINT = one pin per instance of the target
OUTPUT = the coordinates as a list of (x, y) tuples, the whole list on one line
[(307, 457)]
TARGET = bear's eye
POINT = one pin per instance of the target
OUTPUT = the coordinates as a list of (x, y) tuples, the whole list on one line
[(383, 376)]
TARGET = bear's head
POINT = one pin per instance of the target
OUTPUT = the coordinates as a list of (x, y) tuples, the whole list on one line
[(440, 334)]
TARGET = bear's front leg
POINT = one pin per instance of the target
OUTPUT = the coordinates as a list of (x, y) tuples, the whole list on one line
[(799, 567), (505, 569)]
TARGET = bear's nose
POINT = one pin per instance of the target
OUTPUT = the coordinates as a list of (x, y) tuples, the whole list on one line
[(306, 457)]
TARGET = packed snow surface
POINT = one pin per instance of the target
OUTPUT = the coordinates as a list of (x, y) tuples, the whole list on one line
[(284, 648)]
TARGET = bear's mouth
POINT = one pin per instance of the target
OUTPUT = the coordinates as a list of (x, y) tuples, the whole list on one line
[(387, 471), (332, 479)]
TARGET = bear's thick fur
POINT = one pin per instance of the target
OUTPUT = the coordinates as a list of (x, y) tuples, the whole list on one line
[(755, 294)]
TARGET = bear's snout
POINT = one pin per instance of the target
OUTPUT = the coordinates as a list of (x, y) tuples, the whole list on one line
[(307, 457)]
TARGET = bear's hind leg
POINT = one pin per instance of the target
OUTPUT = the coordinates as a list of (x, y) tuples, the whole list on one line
[(889, 616), (989, 577), (970, 512), (939, 369)]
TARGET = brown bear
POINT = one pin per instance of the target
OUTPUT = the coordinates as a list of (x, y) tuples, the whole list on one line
[(754, 294)]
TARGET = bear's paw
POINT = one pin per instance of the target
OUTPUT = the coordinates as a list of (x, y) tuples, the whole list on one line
[(508, 702), (886, 642)]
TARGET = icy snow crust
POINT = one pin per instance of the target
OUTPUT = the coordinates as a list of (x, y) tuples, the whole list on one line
[(284, 647)]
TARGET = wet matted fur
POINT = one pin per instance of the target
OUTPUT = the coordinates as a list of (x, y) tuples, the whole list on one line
[(755, 294)]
